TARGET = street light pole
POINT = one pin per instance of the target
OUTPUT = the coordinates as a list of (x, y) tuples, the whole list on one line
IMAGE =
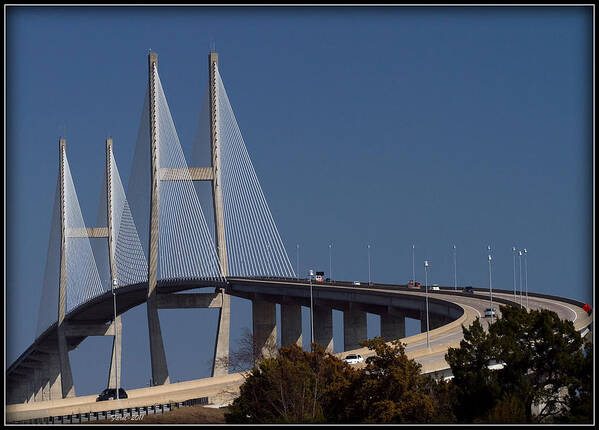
[(520, 264), (413, 271), (116, 361), (514, 255), (491, 286), (368, 264), (331, 260), (455, 268), (526, 277), (310, 274), (426, 289), (297, 260)]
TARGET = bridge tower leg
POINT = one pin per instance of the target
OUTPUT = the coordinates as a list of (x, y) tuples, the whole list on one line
[(221, 349), (157, 353), (393, 325), (114, 376), (66, 377)]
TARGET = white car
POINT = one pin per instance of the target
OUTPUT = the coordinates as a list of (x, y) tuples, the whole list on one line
[(490, 312), (356, 283), (353, 358), (435, 288)]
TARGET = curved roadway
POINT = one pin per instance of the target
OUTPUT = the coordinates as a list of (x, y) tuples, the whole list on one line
[(224, 388)]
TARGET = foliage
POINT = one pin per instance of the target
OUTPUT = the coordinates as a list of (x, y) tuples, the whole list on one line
[(542, 374), (390, 389), (297, 386)]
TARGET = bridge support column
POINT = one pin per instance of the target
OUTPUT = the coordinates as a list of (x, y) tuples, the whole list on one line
[(435, 321), (354, 328), (264, 323), (157, 353), (393, 326), (221, 349), (114, 376), (54, 377), (291, 325), (66, 379), (323, 327), (38, 384)]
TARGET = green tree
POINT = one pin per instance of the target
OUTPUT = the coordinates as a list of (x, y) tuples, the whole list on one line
[(542, 364), (295, 387), (390, 388)]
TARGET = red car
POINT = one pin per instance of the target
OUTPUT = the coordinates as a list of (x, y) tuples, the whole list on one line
[(587, 308)]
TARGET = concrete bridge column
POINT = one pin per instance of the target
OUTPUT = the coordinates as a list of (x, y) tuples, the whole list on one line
[(393, 326), (435, 321), (354, 329), (291, 325), (264, 323), (39, 382), (114, 376), (323, 327), (54, 378)]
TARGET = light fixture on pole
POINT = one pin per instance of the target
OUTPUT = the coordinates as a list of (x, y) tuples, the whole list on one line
[(310, 274), (520, 264), (369, 281), (331, 260), (426, 264), (413, 271), (116, 362), (455, 268), (491, 286), (297, 260), (526, 277), (514, 255)]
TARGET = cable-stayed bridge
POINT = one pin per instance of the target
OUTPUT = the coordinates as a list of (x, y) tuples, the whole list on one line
[(153, 240)]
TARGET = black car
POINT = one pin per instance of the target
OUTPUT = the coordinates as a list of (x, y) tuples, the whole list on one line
[(110, 394), (468, 290)]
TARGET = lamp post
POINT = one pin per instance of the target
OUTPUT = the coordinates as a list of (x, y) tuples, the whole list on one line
[(526, 277), (490, 286), (514, 255), (426, 264), (455, 269), (413, 272), (116, 362), (310, 274), (331, 260), (369, 282), (520, 264), (297, 260)]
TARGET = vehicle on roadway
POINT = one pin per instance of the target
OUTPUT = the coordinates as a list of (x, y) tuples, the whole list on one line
[(435, 287), (412, 285), (353, 358), (319, 277), (468, 290), (357, 283), (490, 312), (110, 394)]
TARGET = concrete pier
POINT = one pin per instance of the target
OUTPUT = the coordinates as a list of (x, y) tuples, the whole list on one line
[(393, 326), (354, 328), (323, 326), (264, 324), (291, 325)]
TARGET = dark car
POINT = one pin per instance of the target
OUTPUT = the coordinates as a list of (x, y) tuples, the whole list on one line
[(110, 394), (468, 290)]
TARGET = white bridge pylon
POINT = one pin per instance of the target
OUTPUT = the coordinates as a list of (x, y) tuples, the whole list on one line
[(157, 230)]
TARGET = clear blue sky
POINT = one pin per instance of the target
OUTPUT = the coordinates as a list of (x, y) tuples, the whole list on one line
[(387, 126)]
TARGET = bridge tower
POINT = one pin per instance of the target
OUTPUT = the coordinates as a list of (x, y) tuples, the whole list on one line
[(157, 352), (221, 349), (66, 376)]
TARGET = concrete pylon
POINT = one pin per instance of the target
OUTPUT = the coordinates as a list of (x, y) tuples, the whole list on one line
[(157, 352), (354, 328), (66, 377), (323, 327), (114, 375), (221, 349), (291, 324)]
